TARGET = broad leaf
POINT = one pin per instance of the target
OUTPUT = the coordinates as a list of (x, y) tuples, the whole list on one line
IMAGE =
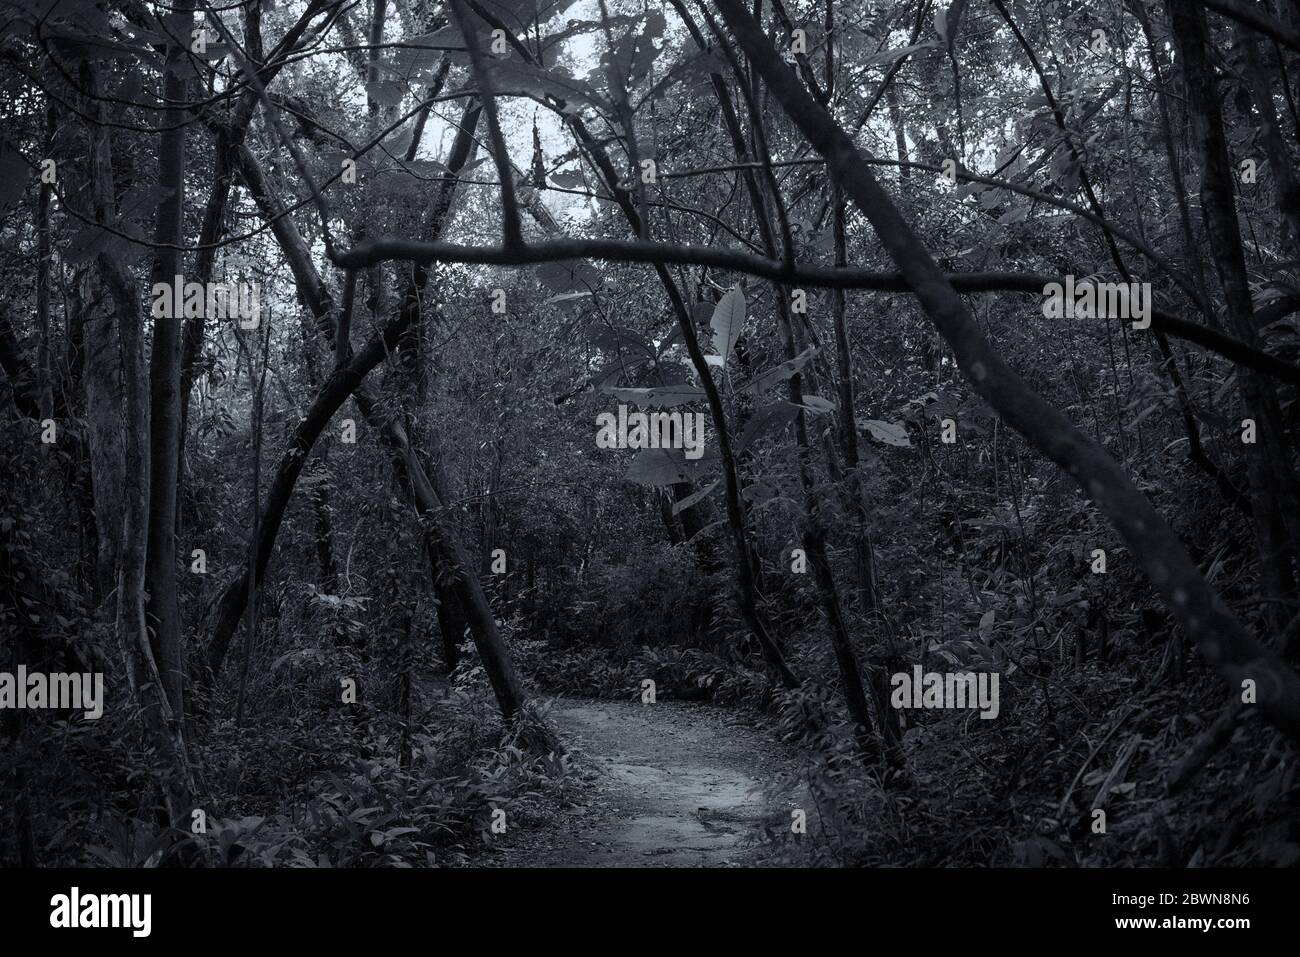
[(568, 180), (619, 339), (419, 56), (568, 276), (611, 374), (385, 92), (727, 322), (891, 433), (889, 56), (765, 380), (658, 467), (694, 498), (816, 404), (515, 78)]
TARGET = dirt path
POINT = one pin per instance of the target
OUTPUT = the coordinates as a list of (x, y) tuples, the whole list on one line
[(678, 785)]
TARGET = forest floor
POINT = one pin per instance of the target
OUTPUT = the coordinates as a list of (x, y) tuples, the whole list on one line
[(674, 785)]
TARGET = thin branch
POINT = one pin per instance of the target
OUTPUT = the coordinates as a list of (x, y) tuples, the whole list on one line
[(384, 249), (512, 234), (1250, 16), (273, 116)]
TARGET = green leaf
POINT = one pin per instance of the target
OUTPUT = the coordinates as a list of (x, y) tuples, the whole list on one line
[(658, 467), (632, 55), (567, 180), (662, 396), (420, 55), (611, 374), (524, 12), (889, 56), (891, 433), (727, 322), (618, 338), (385, 92), (515, 78), (566, 297), (816, 404), (1016, 214), (698, 66), (692, 499), (568, 276), (765, 380)]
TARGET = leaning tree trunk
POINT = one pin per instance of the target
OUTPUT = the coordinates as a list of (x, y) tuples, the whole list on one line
[(1221, 638), (764, 199), (447, 557)]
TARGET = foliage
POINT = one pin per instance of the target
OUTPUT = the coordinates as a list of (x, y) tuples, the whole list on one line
[(950, 542)]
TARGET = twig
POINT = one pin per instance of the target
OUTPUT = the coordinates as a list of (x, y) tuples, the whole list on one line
[(1205, 747), (1060, 811)]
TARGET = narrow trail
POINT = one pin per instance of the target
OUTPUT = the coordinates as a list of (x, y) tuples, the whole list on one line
[(678, 785)]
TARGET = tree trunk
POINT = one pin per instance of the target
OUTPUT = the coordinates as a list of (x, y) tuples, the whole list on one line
[(162, 726), (451, 623), (855, 500), (747, 572), (1223, 641), (900, 132), (764, 199), (1267, 467), (440, 536), (105, 437), (1287, 186), (162, 609)]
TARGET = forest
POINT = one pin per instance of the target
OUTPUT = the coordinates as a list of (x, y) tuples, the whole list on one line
[(649, 433)]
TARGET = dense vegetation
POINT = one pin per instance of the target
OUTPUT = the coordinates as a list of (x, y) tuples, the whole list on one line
[(334, 561)]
